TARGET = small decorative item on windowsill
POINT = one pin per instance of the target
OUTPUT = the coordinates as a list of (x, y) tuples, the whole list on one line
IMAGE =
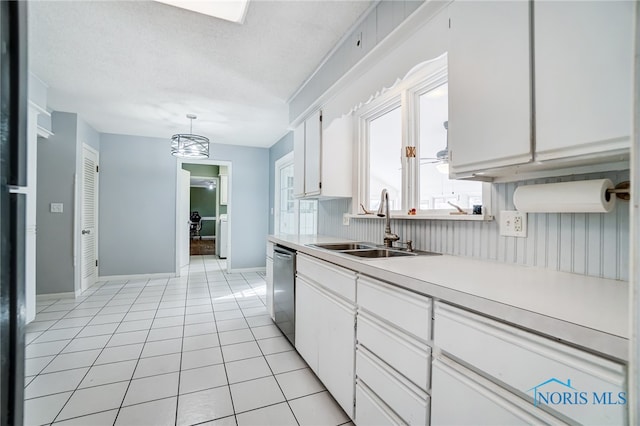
[(365, 210), (460, 211), (412, 212)]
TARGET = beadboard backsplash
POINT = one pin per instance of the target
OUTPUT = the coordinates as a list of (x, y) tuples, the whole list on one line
[(593, 244)]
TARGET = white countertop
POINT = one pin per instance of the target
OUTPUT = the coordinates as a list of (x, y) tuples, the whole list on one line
[(587, 311)]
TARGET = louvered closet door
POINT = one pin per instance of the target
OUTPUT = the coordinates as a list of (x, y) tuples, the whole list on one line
[(89, 219)]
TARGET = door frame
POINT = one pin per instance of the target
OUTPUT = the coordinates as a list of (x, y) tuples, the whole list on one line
[(208, 162), (280, 163), (77, 217)]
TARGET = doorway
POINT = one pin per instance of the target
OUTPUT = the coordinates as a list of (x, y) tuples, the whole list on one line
[(203, 209)]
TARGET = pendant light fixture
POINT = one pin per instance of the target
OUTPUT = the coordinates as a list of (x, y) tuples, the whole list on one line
[(188, 145)]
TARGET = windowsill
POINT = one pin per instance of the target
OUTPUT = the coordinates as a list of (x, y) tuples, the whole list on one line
[(464, 217)]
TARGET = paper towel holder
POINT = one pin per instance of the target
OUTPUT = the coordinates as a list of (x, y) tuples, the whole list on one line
[(622, 190)]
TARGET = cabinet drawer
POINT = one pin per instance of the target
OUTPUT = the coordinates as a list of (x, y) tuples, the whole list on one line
[(536, 368), (270, 249), (402, 352), (371, 410), (404, 398), (339, 280), (461, 397), (409, 311)]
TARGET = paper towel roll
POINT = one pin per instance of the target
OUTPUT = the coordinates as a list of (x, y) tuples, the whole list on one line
[(585, 196)]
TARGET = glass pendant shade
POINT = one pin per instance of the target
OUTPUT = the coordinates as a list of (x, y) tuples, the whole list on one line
[(188, 145)]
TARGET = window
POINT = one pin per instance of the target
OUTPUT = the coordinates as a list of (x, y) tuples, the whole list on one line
[(385, 162), (403, 148), (292, 216), (436, 190)]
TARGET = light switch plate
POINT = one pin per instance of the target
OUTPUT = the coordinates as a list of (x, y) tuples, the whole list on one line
[(345, 219), (56, 207), (513, 224)]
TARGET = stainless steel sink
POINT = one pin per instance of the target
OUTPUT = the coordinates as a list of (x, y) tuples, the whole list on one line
[(378, 253), (370, 250), (344, 246)]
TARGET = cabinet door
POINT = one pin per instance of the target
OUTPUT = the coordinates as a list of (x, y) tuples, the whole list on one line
[(298, 161), (307, 322), (325, 338), (336, 364), (460, 397), (312, 154), (583, 77), (489, 85), (269, 284)]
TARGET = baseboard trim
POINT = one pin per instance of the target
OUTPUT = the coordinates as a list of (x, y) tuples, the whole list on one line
[(137, 276), (241, 270), (49, 296)]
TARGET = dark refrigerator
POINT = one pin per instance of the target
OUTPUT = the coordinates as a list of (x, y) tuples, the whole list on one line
[(13, 143)]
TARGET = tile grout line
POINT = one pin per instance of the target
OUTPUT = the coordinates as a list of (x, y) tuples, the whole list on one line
[(60, 353), (179, 293), (143, 345), (101, 350), (213, 309), (184, 320), (269, 365)]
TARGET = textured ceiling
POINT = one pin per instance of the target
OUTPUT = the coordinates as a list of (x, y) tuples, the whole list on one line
[(138, 67)]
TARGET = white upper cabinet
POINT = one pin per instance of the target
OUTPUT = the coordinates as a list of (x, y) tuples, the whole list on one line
[(489, 85), (306, 156), (583, 77), (298, 160), (312, 158), (323, 158)]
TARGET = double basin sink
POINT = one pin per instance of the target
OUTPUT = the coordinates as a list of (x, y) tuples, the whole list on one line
[(370, 250)]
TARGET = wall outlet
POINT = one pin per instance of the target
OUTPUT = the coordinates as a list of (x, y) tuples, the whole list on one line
[(56, 207), (513, 224), (345, 219)]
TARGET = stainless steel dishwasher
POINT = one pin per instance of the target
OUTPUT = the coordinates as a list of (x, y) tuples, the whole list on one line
[(284, 300)]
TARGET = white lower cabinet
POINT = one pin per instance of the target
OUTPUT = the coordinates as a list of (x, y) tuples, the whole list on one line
[(483, 371), (408, 401), (371, 410), (570, 383), (461, 397), (393, 360), (325, 332)]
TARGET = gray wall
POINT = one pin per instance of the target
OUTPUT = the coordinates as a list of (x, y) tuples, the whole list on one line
[(592, 244), (138, 203), (249, 191), (136, 206), (87, 135), (280, 148), (54, 239), (381, 20)]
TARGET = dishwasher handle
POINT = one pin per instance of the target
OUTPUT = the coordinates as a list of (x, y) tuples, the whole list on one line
[(286, 255)]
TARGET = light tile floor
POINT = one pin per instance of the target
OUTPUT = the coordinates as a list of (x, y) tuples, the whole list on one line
[(199, 349)]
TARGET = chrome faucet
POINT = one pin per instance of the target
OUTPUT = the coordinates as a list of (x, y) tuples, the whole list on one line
[(389, 237)]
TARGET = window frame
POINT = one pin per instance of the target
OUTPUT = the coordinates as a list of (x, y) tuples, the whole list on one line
[(280, 164), (406, 95), (369, 113)]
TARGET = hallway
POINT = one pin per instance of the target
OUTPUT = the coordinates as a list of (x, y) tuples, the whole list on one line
[(199, 349)]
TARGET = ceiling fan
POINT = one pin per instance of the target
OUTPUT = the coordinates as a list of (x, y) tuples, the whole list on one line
[(441, 160)]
